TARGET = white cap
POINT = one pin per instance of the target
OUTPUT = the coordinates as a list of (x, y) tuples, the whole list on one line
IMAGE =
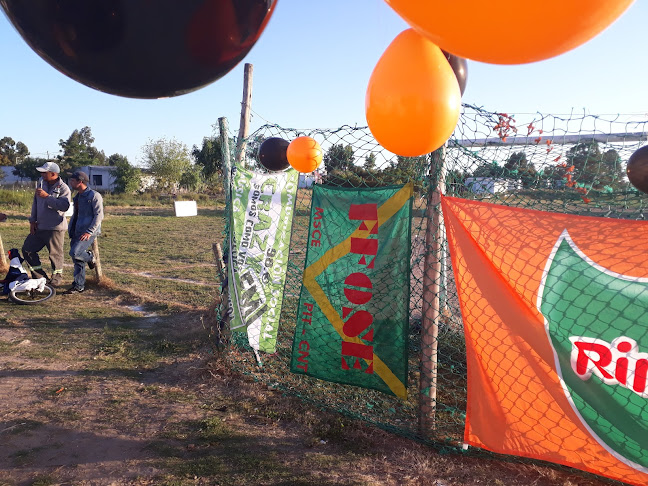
[(49, 167)]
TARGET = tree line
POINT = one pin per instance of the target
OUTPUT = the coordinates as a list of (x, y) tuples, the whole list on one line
[(583, 165), (171, 163)]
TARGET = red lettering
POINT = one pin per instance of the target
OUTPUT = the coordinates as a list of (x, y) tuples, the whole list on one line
[(316, 237), (319, 212), (621, 371), (308, 306), (303, 356), (624, 346), (364, 246), (604, 357), (357, 323), (357, 350), (363, 212), (368, 336), (355, 296), (641, 372), (358, 289)]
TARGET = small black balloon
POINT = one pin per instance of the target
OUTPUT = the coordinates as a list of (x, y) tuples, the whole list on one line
[(460, 67), (272, 154), (141, 48), (637, 169)]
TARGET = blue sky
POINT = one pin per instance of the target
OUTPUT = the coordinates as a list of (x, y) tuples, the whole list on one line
[(311, 68)]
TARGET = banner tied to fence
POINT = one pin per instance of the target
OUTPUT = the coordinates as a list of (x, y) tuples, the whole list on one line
[(352, 321), (262, 214), (555, 310)]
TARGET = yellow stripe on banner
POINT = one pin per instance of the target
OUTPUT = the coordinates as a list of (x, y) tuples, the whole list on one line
[(380, 368), (387, 210)]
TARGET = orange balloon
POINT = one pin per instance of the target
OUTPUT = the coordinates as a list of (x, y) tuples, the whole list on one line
[(413, 98), (304, 154), (509, 31)]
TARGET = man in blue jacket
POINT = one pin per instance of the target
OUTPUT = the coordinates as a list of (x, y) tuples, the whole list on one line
[(84, 227), (47, 223)]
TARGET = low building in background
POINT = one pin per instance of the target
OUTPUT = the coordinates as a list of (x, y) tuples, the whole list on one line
[(101, 177), (307, 180), (10, 179), (492, 185)]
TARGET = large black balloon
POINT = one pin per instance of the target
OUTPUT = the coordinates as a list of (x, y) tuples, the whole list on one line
[(637, 169), (460, 67), (141, 48), (272, 154)]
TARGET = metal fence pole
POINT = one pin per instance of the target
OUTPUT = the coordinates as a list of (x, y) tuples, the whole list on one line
[(431, 294)]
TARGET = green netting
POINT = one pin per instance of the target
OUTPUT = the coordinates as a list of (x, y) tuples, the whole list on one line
[(571, 164)]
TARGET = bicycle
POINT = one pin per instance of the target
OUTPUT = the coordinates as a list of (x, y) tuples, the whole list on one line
[(20, 288), (31, 296)]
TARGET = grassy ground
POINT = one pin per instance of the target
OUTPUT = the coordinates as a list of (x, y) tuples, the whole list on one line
[(122, 385), (142, 248)]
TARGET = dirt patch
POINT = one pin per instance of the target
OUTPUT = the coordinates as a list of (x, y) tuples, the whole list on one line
[(106, 389)]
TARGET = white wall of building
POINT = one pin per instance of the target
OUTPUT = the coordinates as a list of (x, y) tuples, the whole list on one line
[(9, 178), (101, 177), (491, 185)]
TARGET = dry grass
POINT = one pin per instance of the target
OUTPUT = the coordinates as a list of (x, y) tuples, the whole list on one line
[(128, 371)]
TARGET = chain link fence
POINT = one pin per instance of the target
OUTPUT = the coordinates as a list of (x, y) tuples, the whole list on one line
[(571, 163)]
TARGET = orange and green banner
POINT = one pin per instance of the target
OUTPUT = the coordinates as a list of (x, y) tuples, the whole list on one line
[(555, 311), (352, 322)]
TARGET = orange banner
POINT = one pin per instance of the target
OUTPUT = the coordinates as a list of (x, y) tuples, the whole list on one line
[(555, 311)]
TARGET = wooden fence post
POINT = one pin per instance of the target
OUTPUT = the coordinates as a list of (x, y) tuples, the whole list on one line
[(3, 256), (431, 295), (95, 252), (225, 153), (218, 255), (218, 251), (246, 106)]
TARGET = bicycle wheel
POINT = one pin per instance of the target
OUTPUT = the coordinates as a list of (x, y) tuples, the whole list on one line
[(31, 297)]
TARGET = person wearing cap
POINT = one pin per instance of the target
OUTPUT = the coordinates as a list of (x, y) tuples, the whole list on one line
[(84, 227), (47, 223)]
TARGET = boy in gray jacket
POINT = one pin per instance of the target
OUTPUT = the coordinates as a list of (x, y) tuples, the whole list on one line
[(47, 223)]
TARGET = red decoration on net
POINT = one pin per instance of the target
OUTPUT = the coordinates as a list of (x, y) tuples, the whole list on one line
[(505, 126)]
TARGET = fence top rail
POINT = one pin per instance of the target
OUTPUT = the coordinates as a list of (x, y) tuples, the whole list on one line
[(555, 139)]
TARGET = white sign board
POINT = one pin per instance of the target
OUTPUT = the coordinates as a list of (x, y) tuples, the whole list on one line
[(70, 212), (185, 208)]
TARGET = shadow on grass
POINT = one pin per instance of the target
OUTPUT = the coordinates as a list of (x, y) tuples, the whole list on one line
[(153, 349), (26, 442)]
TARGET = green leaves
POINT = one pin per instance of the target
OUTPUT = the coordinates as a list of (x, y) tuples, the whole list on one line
[(168, 160)]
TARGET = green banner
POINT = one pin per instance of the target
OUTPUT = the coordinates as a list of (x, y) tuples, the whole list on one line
[(353, 315), (596, 321), (262, 212)]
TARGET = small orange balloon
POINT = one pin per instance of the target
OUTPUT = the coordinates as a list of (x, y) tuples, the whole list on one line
[(413, 99), (509, 31), (304, 154)]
